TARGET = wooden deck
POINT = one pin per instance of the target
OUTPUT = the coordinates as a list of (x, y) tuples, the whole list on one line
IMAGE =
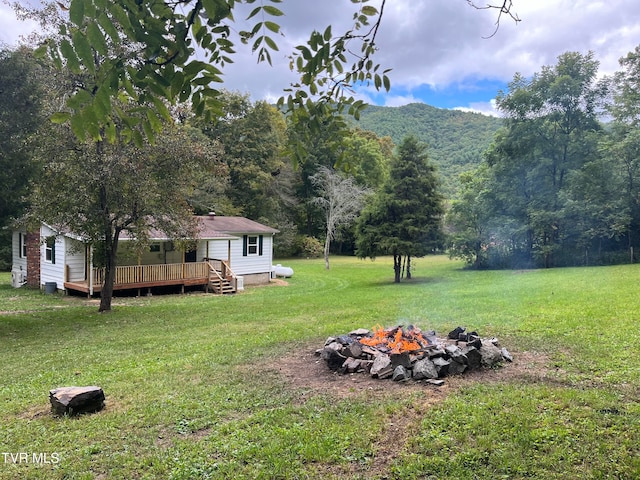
[(131, 277)]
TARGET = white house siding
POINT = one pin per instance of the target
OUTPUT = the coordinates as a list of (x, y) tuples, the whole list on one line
[(218, 249), (19, 262), (251, 264), (74, 260), (52, 272)]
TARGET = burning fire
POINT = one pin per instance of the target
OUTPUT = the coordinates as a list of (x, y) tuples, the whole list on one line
[(397, 339)]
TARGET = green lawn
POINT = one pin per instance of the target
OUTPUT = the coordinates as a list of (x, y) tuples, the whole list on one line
[(188, 396)]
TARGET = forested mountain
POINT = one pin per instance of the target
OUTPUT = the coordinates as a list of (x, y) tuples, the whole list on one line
[(456, 139)]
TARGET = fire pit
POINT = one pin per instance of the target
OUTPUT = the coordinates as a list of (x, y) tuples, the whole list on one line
[(407, 353)]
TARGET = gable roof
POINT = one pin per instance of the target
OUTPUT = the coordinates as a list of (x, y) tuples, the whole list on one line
[(214, 226), (211, 226)]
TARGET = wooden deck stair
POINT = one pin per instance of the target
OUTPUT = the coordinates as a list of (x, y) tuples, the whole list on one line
[(222, 280)]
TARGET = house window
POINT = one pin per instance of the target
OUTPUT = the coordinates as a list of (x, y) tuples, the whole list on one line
[(50, 250), (22, 245), (252, 245), (154, 247)]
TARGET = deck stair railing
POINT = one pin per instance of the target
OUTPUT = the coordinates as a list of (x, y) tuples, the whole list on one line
[(222, 280)]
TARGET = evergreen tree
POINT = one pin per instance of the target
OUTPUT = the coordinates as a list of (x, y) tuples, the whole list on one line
[(404, 219)]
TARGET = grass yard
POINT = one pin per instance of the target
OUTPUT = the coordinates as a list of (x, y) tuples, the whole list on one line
[(194, 390)]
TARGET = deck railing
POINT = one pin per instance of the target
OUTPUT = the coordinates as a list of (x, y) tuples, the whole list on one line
[(221, 271), (140, 274)]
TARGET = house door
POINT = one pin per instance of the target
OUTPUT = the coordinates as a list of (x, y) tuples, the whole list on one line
[(190, 256)]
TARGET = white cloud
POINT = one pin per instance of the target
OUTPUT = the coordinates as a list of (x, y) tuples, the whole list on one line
[(440, 43), (400, 100), (485, 108)]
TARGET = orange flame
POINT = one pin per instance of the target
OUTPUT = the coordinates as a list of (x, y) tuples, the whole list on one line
[(397, 340)]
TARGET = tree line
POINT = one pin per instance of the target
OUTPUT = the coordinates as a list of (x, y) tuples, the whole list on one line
[(559, 185)]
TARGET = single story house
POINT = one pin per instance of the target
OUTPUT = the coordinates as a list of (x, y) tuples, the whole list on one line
[(231, 252)]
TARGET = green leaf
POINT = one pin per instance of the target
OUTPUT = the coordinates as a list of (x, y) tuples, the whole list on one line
[(369, 11), (121, 17), (194, 67), (327, 34), (102, 103), (110, 132), (60, 117), (148, 131), (272, 45), (273, 11), (83, 49), (76, 12), (91, 123), (162, 109), (69, 55), (137, 138), (108, 27), (176, 83), (77, 127), (254, 12), (96, 39), (386, 82), (274, 27)]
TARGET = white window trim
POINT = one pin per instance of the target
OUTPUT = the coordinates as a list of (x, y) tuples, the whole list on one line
[(252, 245)]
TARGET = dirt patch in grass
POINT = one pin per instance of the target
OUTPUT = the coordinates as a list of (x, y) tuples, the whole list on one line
[(307, 375)]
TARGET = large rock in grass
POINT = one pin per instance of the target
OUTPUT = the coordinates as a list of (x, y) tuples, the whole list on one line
[(76, 400), (491, 355)]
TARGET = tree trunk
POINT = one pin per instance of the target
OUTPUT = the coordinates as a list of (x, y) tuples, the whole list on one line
[(397, 260), (327, 244), (106, 294), (408, 267)]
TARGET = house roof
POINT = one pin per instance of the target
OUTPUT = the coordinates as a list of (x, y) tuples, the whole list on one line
[(211, 226), (214, 226)]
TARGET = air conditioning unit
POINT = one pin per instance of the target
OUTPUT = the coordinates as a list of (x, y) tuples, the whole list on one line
[(18, 278)]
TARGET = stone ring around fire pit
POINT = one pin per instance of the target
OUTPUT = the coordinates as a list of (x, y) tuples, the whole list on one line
[(405, 353)]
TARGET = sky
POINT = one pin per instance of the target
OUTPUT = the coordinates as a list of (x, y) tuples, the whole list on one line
[(444, 53)]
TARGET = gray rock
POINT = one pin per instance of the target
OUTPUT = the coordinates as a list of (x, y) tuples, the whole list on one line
[(506, 355), (360, 332), (353, 350), (442, 366), (401, 374), (334, 346), (474, 357), (491, 355), (381, 367), (435, 382), (455, 333), (76, 400), (403, 359), (333, 358), (351, 365), (456, 368), (424, 369), (329, 340)]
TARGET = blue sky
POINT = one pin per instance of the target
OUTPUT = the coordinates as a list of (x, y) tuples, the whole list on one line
[(478, 93), (438, 50)]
